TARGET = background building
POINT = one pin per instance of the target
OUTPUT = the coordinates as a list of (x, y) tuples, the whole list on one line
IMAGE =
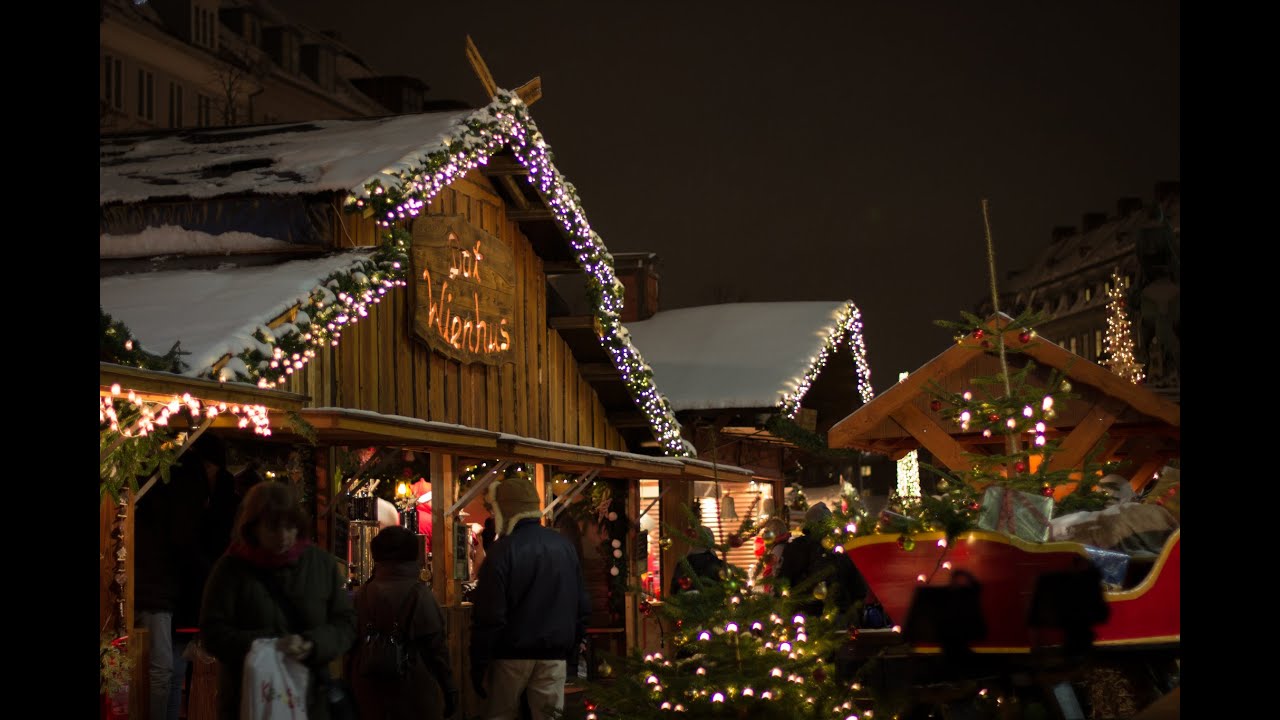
[(202, 63), (1069, 281)]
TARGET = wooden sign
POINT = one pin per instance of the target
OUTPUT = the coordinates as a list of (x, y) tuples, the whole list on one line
[(463, 290), (461, 550)]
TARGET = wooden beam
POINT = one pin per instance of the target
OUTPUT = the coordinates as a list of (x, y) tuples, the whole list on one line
[(599, 372), (513, 190), (933, 437), (562, 267), (532, 214), (530, 92), (583, 482), (1086, 434), (480, 68), (503, 164), (572, 322), (867, 417), (443, 476), (626, 420), (478, 486)]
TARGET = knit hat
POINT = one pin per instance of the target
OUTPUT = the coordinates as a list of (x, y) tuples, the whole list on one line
[(818, 512), (1117, 486), (394, 544), (513, 500)]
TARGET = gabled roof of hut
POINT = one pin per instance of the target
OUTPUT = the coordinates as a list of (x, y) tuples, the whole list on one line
[(1141, 425)]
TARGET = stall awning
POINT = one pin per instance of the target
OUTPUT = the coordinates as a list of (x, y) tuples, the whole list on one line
[(362, 427)]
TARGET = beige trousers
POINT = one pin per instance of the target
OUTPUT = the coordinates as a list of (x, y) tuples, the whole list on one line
[(509, 679)]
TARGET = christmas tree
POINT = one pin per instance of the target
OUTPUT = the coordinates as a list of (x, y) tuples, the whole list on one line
[(734, 652), (1119, 341)]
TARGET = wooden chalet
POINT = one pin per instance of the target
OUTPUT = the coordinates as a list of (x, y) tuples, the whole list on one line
[(1124, 421), (384, 283)]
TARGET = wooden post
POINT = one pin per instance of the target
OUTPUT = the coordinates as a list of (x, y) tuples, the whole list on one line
[(677, 499), (540, 485), (443, 489)]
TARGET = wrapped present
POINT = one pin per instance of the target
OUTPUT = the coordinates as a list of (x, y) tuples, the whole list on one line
[(1113, 565), (1016, 513)]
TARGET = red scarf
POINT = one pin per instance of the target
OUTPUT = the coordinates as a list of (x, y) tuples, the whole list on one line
[(263, 558)]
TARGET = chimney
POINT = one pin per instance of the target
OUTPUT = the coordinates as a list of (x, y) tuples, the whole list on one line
[(1062, 232), (1166, 189), (1092, 221), (1126, 206)]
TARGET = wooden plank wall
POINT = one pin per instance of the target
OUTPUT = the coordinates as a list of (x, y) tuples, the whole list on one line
[(379, 366)]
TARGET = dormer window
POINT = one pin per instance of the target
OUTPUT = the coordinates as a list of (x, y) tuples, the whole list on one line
[(204, 25)]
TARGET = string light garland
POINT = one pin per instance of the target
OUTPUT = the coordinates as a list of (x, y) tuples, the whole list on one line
[(506, 123), (848, 327), (1119, 340), (344, 297), (908, 469)]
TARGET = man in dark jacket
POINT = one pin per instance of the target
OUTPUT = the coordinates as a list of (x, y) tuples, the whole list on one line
[(531, 608)]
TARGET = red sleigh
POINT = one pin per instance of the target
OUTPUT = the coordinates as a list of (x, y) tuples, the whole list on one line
[(1007, 568)]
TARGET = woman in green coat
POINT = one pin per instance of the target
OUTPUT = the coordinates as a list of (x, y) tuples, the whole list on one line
[(269, 584)]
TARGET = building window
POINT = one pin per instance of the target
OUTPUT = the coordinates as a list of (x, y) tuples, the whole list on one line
[(204, 111), (175, 105), (113, 81), (1088, 294), (1097, 341), (1071, 344), (146, 94)]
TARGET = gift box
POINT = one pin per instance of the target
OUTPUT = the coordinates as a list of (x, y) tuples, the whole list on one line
[(1113, 565), (1016, 513)]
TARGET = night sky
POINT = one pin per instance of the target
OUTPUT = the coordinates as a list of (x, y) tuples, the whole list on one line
[(818, 150)]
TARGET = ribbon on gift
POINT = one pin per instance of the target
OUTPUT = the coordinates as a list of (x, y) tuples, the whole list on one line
[(1004, 523)]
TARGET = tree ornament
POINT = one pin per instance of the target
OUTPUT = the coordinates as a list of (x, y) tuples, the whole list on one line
[(977, 334), (646, 608), (1020, 467), (820, 591), (735, 540), (1047, 490), (993, 417), (684, 582), (664, 543), (769, 534), (935, 405), (853, 632), (1066, 386), (1024, 337), (828, 542), (605, 669), (906, 543)]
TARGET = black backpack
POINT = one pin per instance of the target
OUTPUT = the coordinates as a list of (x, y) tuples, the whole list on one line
[(386, 654)]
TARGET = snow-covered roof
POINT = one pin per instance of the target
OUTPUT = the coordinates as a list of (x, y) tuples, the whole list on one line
[(289, 158), (173, 240), (212, 312), (735, 355)]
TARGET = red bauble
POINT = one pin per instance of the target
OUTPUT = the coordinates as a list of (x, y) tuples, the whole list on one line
[(1024, 337), (974, 506), (935, 405), (993, 417), (1159, 501), (977, 334), (853, 633), (819, 674), (645, 608), (1019, 466), (685, 583), (735, 540), (1047, 491), (589, 705)]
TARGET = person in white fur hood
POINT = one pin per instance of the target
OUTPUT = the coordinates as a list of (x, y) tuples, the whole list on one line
[(531, 608)]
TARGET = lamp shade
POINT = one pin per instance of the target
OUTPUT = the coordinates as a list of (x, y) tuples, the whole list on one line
[(727, 509)]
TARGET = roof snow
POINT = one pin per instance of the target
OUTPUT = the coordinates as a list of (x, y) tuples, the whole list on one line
[(173, 240), (212, 312), (734, 355), (290, 158)]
